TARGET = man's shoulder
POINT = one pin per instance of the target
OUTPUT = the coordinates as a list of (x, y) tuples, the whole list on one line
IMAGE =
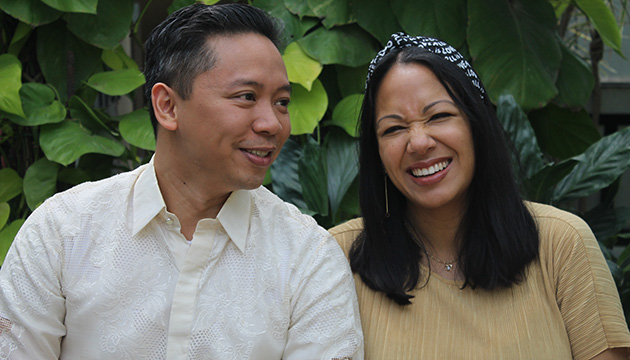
[(95, 194), (267, 201), (285, 217), (347, 232)]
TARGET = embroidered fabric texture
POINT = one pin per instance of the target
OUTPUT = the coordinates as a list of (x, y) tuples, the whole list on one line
[(76, 272)]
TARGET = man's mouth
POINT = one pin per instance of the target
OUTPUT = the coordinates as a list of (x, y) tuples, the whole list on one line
[(259, 153), (430, 170)]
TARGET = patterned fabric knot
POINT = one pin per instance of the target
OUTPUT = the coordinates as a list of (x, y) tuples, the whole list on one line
[(401, 40)]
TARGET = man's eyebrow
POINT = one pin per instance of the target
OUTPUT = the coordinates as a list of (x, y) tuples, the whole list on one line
[(241, 82), (286, 87)]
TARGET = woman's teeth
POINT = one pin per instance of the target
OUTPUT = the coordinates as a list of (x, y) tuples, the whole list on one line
[(430, 170)]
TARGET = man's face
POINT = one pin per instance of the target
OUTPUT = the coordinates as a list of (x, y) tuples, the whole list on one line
[(236, 120)]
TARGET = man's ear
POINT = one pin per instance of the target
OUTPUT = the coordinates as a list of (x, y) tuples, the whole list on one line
[(164, 100)]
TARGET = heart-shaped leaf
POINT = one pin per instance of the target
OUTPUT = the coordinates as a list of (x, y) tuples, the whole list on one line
[(78, 6), (40, 106), (117, 82), (307, 108), (11, 80), (10, 184), (66, 142), (346, 113), (137, 130), (301, 68), (7, 234), (40, 182)]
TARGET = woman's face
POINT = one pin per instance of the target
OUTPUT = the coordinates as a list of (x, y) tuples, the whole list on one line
[(424, 140)]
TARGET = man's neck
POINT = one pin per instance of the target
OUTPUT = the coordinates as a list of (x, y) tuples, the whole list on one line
[(189, 202)]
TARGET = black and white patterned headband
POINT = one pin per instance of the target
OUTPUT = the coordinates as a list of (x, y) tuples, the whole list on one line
[(401, 40)]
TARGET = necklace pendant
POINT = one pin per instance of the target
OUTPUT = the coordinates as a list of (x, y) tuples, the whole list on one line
[(448, 267)]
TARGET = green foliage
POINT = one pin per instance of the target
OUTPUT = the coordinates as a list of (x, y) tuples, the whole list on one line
[(62, 62), (56, 58)]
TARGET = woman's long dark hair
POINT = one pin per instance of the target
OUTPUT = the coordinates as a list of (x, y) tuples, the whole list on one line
[(497, 236)]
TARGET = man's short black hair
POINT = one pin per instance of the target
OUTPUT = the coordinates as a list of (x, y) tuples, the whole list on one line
[(177, 50)]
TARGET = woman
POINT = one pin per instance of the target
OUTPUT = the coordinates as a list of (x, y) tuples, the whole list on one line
[(449, 262)]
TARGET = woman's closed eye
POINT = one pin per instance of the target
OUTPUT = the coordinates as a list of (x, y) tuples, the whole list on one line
[(439, 116), (392, 129)]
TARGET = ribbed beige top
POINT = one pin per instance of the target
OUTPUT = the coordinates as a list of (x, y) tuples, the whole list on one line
[(568, 307)]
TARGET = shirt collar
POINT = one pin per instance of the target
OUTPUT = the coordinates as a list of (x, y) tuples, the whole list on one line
[(235, 216), (147, 198)]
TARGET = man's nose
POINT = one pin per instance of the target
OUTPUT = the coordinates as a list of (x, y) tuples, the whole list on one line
[(267, 120)]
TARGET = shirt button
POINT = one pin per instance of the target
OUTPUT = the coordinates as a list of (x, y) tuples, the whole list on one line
[(169, 221)]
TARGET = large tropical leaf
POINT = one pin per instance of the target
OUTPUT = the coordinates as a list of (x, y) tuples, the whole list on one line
[(116, 82), (107, 27), (32, 12), (313, 174), (300, 8), (444, 20), (343, 166), (117, 59), (607, 222), (515, 50), (346, 114), (87, 117), (333, 12), (64, 59), (351, 80), (603, 20), (301, 68), (600, 165), (21, 35), (40, 106), (541, 185), (11, 80), (377, 18), (284, 175), (307, 108), (7, 234), (517, 126), (79, 6), (66, 142), (562, 132), (10, 184), (40, 182), (575, 80), (137, 130), (5, 211), (346, 45), (294, 28)]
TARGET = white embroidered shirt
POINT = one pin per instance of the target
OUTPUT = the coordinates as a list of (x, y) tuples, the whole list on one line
[(102, 271)]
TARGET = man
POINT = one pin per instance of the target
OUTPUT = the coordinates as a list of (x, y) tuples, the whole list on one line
[(187, 257)]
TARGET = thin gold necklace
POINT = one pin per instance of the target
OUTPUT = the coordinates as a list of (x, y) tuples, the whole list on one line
[(448, 265)]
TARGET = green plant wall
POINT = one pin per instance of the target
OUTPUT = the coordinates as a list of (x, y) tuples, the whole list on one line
[(61, 62)]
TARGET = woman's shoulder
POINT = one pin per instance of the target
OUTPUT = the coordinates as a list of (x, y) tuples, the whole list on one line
[(347, 232), (552, 220)]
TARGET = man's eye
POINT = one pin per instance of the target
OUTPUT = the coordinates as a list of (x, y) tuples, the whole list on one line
[(283, 102), (248, 96)]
